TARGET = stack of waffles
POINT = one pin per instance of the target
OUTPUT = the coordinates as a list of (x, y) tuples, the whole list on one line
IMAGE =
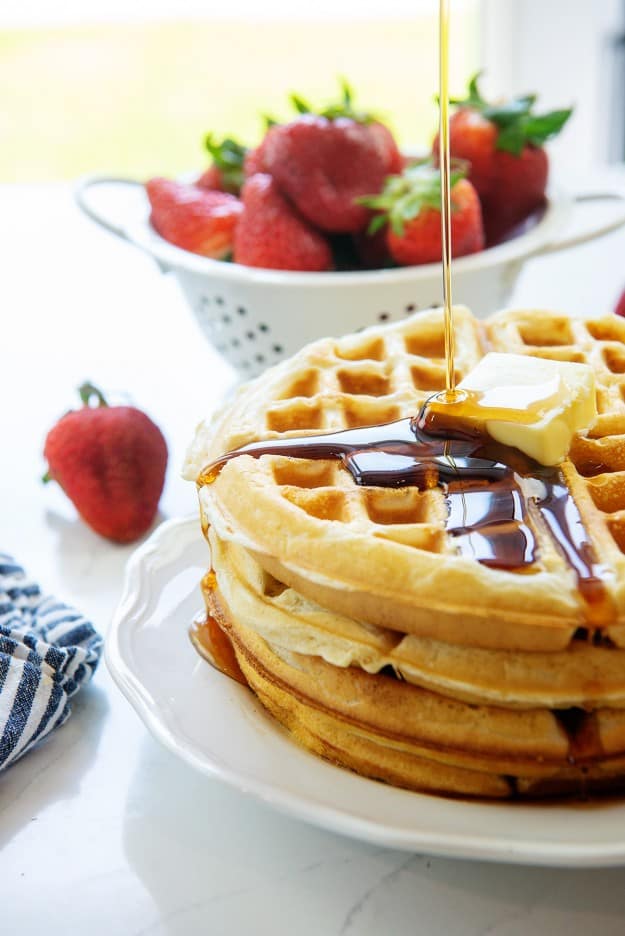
[(354, 617)]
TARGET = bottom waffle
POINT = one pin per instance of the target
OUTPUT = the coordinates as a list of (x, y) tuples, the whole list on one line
[(288, 689), (388, 729)]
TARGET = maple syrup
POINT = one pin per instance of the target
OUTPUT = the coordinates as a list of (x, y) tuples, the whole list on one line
[(582, 730), (491, 490), (211, 641), (451, 393)]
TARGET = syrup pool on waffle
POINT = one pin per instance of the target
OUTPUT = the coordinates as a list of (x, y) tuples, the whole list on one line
[(494, 494)]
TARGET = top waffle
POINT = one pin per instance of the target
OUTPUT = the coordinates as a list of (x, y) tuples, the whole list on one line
[(382, 555)]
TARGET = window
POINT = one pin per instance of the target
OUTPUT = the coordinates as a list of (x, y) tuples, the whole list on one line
[(134, 87)]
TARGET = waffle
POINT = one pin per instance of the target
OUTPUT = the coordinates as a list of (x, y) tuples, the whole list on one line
[(582, 676), (351, 587)]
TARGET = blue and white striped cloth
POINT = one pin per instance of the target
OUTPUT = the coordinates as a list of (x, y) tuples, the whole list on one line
[(47, 652)]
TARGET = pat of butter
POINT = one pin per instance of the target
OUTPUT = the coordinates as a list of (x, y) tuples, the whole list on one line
[(533, 404)]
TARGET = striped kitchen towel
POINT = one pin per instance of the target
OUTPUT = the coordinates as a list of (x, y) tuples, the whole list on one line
[(47, 652)]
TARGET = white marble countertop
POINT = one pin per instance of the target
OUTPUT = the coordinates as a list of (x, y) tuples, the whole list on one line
[(101, 830)]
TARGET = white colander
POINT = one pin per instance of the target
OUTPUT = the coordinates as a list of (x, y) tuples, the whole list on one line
[(254, 317)]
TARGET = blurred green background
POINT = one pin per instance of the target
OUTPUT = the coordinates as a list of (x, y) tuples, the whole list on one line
[(137, 98)]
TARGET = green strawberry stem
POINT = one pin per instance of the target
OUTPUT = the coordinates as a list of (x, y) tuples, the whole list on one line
[(47, 477), (405, 196), (87, 391), (344, 107), (228, 156), (516, 123)]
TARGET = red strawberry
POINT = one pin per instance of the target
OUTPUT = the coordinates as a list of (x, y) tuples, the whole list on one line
[(110, 461), (271, 234), (324, 166), (325, 161), (255, 158), (504, 147), (253, 161), (395, 161), (195, 219), (411, 203), (620, 305), (211, 179), (344, 107), (226, 172)]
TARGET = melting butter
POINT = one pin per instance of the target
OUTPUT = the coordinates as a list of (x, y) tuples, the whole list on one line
[(533, 404)]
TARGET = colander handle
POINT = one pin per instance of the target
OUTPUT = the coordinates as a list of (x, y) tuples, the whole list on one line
[(81, 192), (593, 230)]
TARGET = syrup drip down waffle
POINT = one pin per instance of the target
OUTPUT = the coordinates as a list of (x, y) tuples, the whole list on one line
[(355, 615)]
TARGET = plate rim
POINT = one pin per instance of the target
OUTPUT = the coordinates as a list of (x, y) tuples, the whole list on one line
[(131, 608)]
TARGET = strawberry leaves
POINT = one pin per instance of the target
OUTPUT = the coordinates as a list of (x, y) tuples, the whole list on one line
[(344, 107), (88, 391), (228, 156), (516, 123), (405, 196)]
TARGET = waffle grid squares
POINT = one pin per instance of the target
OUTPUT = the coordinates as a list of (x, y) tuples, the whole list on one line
[(598, 460), (371, 380), (367, 381), (386, 374)]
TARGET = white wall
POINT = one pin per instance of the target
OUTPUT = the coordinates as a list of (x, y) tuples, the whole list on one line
[(558, 48)]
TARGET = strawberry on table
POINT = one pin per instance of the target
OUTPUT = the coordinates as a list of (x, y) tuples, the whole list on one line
[(110, 461), (271, 234), (324, 161), (503, 144), (225, 174), (196, 219), (409, 206)]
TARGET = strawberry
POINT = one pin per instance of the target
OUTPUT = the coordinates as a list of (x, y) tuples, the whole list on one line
[(620, 305), (323, 166), (345, 108), (395, 161), (110, 461), (193, 218), (226, 172), (503, 144), (325, 161), (253, 161), (411, 204), (271, 234), (211, 180)]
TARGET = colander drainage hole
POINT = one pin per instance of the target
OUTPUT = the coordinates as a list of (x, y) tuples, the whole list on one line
[(250, 335), (219, 300), (383, 316), (235, 342), (242, 310), (262, 327), (278, 349)]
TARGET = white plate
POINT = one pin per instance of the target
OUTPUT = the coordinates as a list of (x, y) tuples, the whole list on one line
[(218, 727)]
